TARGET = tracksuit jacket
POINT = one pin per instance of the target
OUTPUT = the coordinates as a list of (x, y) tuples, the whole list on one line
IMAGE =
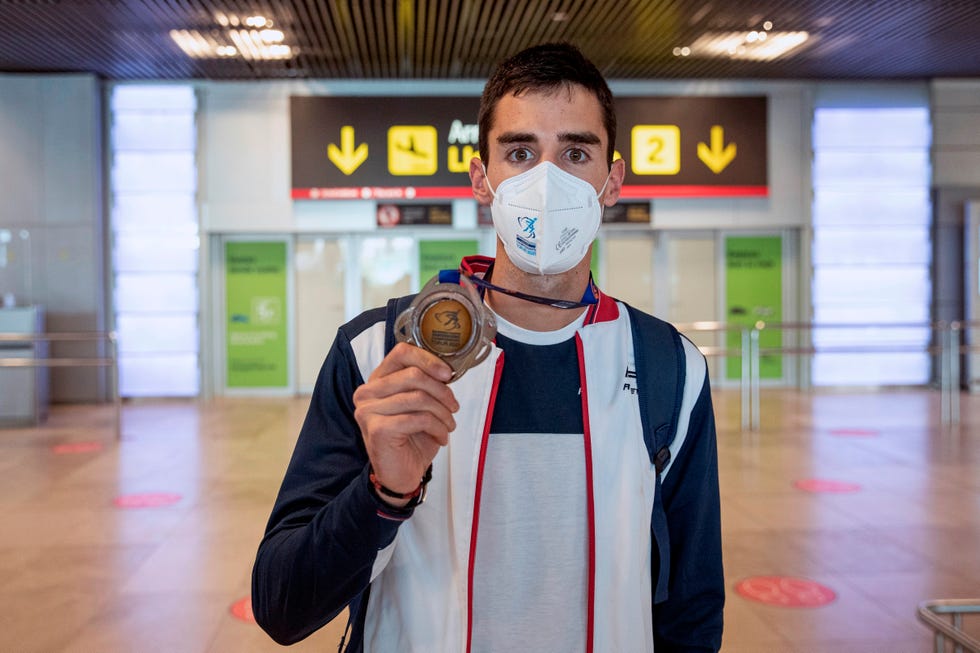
[(406, 575)]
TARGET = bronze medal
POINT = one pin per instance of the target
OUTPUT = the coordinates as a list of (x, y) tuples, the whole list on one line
[(449, 320), (445, 326)]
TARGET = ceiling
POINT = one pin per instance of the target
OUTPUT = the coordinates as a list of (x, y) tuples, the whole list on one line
[(436, 39)]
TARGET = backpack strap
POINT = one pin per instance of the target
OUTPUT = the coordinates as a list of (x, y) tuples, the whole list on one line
[(660, 374), (660, 363)]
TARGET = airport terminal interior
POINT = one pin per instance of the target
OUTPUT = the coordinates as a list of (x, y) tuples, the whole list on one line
[(197, 195)]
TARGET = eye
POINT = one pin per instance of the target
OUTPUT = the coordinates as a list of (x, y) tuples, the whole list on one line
[(576, 155), (520, 155)]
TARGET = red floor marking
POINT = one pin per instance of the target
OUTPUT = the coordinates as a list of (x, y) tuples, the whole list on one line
[(242, 610), (146, 500), (785, 591), (76, 447), (855, 433), (825, 485)]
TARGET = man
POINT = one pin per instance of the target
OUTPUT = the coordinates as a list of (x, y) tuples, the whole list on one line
[(535, 532)]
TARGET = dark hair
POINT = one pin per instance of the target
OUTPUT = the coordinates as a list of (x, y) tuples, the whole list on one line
[(546, 67)]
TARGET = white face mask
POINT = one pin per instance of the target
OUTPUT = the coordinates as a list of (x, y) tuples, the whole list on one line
[(546, 218)]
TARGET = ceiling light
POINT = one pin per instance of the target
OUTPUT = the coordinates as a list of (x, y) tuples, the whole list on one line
[(251, 46), (271, 35), (741, 45), (192, 43), (767, 25), (259, 44)]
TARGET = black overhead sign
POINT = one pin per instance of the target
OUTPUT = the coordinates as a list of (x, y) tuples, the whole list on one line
[(382, 147), (693, 146), (391, 148)]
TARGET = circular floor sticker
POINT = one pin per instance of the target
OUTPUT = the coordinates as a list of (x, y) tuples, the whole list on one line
[(146, 500), (825, 485), (854, 433), (76, 447), (785, 591), (242, 610)]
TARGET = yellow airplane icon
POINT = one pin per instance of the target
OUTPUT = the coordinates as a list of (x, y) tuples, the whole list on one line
[(412, 150)]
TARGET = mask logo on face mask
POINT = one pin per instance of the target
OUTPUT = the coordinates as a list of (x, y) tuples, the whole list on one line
[(525, 239), (527, 225)]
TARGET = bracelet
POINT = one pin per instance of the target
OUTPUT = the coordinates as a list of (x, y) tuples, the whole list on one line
[(415, 497)]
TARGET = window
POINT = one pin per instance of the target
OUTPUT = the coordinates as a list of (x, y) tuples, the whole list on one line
[(155, 239), (871, 245)]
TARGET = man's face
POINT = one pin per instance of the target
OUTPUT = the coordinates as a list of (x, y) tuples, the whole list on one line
[(563, 126)]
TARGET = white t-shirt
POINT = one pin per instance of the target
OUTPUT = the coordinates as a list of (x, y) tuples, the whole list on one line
[(530, 575)]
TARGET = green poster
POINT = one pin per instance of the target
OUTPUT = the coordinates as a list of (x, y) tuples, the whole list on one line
[(256, 342), (753, 292), (435, 255)]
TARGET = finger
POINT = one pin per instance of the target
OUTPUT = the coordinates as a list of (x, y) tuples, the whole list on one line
[(411, 429), (408, 379), (426, 431), (404, 355), (429, 444), (408, 402)]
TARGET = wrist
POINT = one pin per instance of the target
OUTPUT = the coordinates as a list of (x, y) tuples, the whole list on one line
[(399, 500)]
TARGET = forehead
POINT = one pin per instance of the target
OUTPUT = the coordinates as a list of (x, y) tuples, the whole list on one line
[(545, 112)]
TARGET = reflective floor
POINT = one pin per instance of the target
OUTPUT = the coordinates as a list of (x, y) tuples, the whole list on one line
[(843, 513)]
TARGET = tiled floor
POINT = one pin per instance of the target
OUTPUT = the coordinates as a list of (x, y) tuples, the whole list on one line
[(78, 573)]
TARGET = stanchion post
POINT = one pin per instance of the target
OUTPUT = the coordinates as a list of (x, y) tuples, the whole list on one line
[(955, 342), (944, 373), (746, 382), (116, 397), (754, 372)]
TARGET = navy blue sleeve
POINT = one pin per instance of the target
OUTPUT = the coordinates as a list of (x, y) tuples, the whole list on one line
[(691, 617), (327, 525)]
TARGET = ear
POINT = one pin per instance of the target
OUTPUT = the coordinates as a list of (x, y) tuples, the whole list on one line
[(478, 182), (617, 172)]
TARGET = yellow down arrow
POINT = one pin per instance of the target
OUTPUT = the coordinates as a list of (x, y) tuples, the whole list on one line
[(717, 157), (346, 157)]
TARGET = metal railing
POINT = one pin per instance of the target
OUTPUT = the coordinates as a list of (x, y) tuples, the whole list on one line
[(962, 642), (110, 361), (949, 336), (949, 346), (749, 381)]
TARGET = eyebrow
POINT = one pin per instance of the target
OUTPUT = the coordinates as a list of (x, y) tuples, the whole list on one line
[(586, 138), (516, 137)]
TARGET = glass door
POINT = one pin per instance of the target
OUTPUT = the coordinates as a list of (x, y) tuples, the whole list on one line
[(320, 267)]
